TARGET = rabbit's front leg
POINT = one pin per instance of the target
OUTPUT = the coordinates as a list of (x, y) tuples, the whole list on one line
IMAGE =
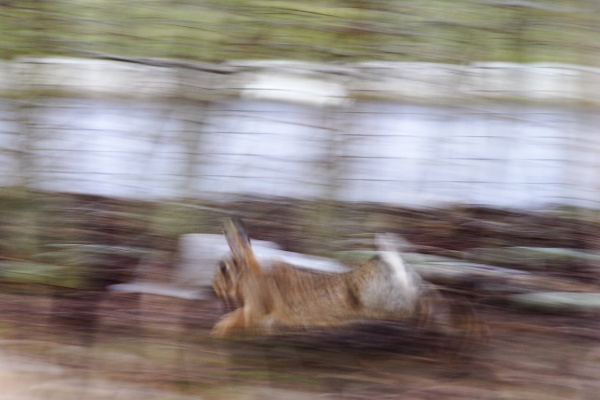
[(229, 323)]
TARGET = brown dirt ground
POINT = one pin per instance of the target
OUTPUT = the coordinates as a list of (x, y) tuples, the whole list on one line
[(159, 348), (89, 345)]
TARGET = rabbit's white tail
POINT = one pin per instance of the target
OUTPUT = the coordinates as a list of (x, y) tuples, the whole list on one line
[(388, 245)]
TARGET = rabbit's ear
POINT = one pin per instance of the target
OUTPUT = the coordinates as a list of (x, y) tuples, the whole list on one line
[(239, 243), (236, 236)]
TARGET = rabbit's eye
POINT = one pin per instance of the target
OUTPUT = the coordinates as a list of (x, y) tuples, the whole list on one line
[(223, 267)]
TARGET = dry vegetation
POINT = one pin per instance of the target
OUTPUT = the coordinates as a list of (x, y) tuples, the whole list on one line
[(81, 342), (335, 30)]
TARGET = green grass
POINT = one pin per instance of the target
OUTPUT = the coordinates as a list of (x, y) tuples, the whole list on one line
[(455, 31)]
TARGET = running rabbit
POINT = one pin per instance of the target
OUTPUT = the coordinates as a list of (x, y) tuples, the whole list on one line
[(285, 296)]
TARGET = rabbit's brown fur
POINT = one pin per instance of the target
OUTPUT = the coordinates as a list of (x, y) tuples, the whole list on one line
[(285, 296)]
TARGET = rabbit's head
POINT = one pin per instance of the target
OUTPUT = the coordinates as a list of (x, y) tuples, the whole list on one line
[(227, 282), (233, 271)]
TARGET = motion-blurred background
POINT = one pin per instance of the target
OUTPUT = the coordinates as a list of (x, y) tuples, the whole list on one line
[(467, 126)]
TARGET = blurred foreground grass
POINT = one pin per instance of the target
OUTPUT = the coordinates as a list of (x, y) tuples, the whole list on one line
[(451, 31)]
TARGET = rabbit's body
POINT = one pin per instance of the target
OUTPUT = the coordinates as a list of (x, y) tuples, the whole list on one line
[(285, 296), (295, 297)]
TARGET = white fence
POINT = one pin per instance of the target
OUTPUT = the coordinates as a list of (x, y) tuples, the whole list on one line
[(128, 141), (423, 82)]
